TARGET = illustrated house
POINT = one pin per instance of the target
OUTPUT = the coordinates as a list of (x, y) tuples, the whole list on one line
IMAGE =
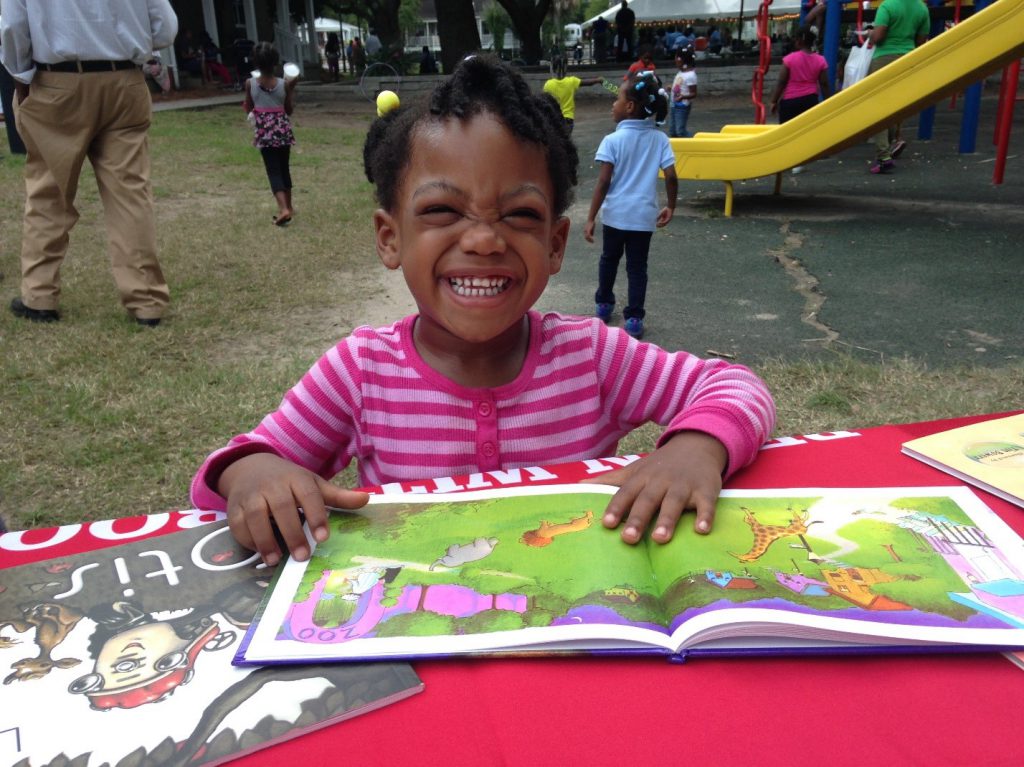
[(854, 585), (728, 580), (801, 584)]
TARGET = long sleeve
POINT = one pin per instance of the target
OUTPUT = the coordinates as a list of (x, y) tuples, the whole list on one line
[(642, 382), (15, 40), (163, 23)]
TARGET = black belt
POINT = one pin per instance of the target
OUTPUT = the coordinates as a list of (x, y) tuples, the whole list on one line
[(87, 66)]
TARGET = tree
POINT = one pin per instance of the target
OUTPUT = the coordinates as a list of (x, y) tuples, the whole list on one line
[(497, 21), (527, 18), (456, 26)]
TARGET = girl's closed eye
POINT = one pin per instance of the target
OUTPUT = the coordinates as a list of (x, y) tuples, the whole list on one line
[(524, 217), (439, 214)]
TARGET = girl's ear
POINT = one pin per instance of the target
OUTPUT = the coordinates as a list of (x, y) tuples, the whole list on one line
[(559, 240), (387, 238)]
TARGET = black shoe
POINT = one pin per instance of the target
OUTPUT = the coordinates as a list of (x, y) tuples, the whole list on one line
[(18, 309), (152, 322)]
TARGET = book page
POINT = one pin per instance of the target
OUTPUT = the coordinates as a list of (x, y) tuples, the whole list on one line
[(906, 564), (428, 575)]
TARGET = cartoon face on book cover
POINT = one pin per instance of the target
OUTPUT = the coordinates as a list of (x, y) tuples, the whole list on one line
[(501, 564), (127, 651)]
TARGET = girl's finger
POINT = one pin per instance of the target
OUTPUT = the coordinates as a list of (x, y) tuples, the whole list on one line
[(705, 505), (255, 517), (673, 505)]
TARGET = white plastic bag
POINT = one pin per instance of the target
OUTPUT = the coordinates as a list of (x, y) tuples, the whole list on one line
[(857, 64)]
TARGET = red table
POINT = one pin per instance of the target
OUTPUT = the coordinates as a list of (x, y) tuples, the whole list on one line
[(869, 710)]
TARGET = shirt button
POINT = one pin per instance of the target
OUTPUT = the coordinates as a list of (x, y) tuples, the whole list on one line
[(484, 409), (488, 448)]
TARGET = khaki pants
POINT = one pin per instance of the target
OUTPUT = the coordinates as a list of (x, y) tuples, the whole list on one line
[(102, 116), (884, 140)]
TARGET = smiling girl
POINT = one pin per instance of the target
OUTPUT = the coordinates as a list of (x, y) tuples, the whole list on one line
[(473, 187)]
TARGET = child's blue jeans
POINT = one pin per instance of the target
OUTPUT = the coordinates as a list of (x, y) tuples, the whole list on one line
[(636, 246), (680, 114)]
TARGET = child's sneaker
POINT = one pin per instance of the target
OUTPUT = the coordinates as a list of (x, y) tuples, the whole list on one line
[(883, 166), (635, 327), (604, 311), (897, 147)]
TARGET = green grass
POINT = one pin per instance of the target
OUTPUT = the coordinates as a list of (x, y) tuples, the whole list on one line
[(100, 418)]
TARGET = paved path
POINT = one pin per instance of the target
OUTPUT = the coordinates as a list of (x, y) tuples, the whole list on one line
[(926, 262)]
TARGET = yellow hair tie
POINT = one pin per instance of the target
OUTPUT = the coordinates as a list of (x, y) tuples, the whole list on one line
[(387, 101)]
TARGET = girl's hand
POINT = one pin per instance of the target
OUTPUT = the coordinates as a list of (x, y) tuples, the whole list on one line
[(264, 490), (684, 473), (665, 216), (588, 230)]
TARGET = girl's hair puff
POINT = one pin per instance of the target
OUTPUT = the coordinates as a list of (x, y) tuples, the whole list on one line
[(481, 84), (265, 58), (644, 89), (806, 37)]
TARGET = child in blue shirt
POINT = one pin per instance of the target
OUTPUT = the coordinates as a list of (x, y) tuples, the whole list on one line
[(626, 194)]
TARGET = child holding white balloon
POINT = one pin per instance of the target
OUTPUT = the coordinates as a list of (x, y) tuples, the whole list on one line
[(269, 102), (473, 186)]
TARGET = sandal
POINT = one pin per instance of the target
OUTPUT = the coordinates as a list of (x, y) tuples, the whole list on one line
[(282, 220)]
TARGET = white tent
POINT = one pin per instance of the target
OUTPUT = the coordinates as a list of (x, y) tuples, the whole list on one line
[(692, 10)]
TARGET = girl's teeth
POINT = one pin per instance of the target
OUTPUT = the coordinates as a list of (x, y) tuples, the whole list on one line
[(476, 287)]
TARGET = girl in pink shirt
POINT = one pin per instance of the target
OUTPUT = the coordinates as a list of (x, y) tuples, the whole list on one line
[(804, 74), (473, 187)]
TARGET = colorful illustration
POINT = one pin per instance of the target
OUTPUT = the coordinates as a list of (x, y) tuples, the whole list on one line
[(919, 558), (545, 534), (93, 642)]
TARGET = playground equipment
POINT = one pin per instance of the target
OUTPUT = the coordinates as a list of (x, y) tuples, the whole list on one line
[(986, 42)]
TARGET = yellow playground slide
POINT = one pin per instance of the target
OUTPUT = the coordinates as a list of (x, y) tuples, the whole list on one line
[(955, 59)]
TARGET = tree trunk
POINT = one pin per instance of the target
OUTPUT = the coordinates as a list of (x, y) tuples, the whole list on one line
[(384, 21), (456, 27), (527, 19)]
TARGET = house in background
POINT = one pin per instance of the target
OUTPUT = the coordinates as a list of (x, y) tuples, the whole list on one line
[(230, 20)]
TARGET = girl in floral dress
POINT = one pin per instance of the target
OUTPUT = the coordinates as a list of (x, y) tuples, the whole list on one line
[(269, 100)]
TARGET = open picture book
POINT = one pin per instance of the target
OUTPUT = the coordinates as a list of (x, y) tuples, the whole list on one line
[(533, 570), (989, 454)]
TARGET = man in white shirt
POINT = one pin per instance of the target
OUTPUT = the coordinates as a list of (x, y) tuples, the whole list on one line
[(81, 95)]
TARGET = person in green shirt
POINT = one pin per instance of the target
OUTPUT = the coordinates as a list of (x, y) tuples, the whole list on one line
[(900, 26), (563, 90)]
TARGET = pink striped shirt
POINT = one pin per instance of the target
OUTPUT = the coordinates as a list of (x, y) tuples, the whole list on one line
[(583, 386)]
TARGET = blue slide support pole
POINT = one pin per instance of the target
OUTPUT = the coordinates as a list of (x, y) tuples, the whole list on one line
[(926, 120), (972, 108), (833, 14)]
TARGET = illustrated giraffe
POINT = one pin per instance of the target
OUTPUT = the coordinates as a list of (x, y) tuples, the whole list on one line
[(766, 535), (545, 534)]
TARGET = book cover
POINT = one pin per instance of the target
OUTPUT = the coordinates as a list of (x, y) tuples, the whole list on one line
[(989, 454), (533, 570), (123, 655)]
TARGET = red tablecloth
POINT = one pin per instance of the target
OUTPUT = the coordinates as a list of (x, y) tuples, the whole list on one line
[(867, 710)]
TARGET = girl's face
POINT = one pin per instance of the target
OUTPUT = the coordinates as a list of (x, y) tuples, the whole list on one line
[(473, 231), (622, 107)]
